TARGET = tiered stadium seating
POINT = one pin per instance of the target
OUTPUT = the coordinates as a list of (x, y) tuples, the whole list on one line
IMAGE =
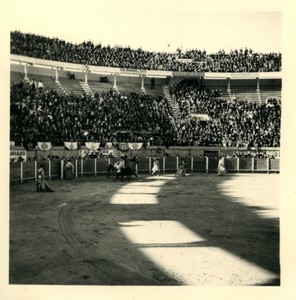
[(71, 86), (15, 77), (98, 87), (270, 92), (245, 93), (156, 92), (48, 82), (127, 88)]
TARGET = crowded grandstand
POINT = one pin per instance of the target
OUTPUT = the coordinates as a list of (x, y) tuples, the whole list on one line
[(181, 111)]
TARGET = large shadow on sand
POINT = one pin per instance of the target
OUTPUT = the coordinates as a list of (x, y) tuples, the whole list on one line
[(226, 222), (219, 219)]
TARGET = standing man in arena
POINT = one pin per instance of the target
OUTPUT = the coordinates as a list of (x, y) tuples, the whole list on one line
[(155, 168), (182, 169), (221, 167), (69, 170)]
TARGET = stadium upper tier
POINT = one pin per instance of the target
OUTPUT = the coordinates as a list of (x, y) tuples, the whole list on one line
[(87, 53)]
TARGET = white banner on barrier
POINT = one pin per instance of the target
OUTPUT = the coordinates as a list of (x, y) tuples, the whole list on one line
[(71, 145), (18, 155), (44, 146), (92, 145)]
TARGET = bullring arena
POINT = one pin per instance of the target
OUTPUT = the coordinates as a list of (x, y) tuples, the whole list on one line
[(199, 229)]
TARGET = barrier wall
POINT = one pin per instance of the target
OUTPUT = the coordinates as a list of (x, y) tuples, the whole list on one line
[(27, 171)]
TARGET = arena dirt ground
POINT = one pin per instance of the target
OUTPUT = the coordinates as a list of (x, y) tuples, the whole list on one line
[(200, 229)]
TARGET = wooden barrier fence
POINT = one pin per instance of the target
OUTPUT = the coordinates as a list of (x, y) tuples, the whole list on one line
[(26, 171)]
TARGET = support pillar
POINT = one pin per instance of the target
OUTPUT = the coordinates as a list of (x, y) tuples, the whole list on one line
[(49, 169), (81, 167), (56, 75), (22, 172), (228, 85), (207, 164), (258, 89), (62, 169), (258, 85), (85, 77), (76, 168), (26, 79), (142, 84), (114, 82), (35, 166)]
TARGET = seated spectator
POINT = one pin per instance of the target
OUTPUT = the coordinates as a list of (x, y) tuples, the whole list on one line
[(71, 75)]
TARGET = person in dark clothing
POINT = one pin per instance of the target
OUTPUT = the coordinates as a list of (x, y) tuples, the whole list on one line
[(152, 83)]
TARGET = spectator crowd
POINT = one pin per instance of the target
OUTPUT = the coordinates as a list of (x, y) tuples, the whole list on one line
[(41, 115), (88, 53), (38, 115), (107, 117), (235, 123)]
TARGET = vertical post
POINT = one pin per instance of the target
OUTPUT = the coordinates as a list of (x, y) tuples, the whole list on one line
[(150, 165), (95, 166), (26, 73), (267, 165), (142, 83), (35, 170), (177, 163), (237, 164), (228, 85), (85, 77), (253, 164), (81, 167), (207, 164), (163, 165), (62, 169), (191, 164), (56, 75), (76, 167), (258, 89), (49, 169), (258, 85), (114, 82), (22, 171)]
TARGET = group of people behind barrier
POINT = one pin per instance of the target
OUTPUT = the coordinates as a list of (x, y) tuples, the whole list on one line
[(88, 53)]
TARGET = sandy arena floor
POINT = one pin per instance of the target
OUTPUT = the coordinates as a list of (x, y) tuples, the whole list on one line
[(198, 230)]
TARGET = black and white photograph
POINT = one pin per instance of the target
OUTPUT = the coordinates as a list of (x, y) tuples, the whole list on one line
[(148, 150)]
